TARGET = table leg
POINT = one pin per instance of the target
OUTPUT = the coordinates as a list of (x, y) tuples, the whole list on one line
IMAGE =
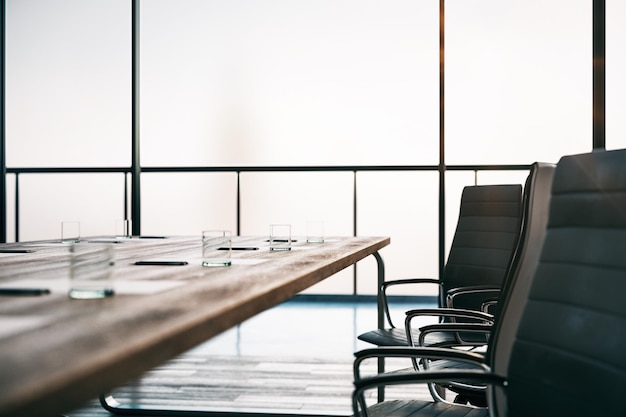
[(381, 317)]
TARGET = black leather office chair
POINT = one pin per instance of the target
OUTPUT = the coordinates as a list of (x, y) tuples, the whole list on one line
[(514, 292), (482, 248), (565, 357)]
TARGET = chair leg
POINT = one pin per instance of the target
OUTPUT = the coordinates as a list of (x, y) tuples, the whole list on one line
[(381, 370)]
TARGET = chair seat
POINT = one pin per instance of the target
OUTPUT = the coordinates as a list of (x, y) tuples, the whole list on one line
[(424, 409), (385, 337), (444, 364), (397, 337)]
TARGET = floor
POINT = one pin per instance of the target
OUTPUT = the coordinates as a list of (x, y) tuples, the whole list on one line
[(305, 368)]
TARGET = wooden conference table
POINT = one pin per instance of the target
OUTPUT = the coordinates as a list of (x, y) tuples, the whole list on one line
[(56, 352)]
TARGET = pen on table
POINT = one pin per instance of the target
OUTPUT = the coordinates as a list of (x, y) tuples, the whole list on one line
[(15, 250), (239, 248), (163, 263), (24, 291)]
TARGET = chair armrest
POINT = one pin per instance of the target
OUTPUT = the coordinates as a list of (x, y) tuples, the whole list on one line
[(442, 312), (489, 291), (478, 328), (387, 284), (488, 304), (450, 312), (415, 353), (426, 377)]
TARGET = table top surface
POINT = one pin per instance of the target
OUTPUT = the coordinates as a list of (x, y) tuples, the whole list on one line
[(58, 352)]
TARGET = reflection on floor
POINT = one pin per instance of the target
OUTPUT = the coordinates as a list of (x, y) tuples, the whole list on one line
[(305, 367), (310, 329)]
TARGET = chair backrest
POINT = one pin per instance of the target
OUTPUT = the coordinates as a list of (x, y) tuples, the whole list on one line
[(484, 241), (515, 290), (567, 358)]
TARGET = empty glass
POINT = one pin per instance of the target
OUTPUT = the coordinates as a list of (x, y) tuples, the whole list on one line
[(280, 237), (216, 248), (122, 229), (91, 270), (70, 231), (315, 232)]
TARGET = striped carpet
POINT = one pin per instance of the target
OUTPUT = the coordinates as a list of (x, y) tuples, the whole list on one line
[(238, 383), (242, 370)]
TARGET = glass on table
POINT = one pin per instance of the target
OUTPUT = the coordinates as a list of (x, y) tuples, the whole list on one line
[(280, 237), (315, 232), (70, 231), (216, 248), (91, 270), (123, 229)]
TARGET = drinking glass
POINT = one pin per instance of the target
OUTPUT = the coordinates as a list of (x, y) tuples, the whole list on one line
[(70, 231), (216, 248), (280, 237), (315, 232), (91, 270), (122, 229)]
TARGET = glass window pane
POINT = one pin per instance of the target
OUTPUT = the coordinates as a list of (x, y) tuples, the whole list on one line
[(404, 206), (187, 203), (68, 83), (615, 70), (46, 200), (501, 177), (295, 198), (518, 80), (275, 82)]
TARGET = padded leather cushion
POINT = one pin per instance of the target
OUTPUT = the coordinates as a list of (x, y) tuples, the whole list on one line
[(397, 337), (385, 337), (568, 357), (485, 239)]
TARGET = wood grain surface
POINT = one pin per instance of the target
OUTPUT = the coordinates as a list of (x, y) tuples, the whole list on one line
[(78, 349)]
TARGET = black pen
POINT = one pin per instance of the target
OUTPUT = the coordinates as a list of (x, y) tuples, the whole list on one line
[(239, 248), (15, 250), (163, 263), (24, 291), (104, 241)]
